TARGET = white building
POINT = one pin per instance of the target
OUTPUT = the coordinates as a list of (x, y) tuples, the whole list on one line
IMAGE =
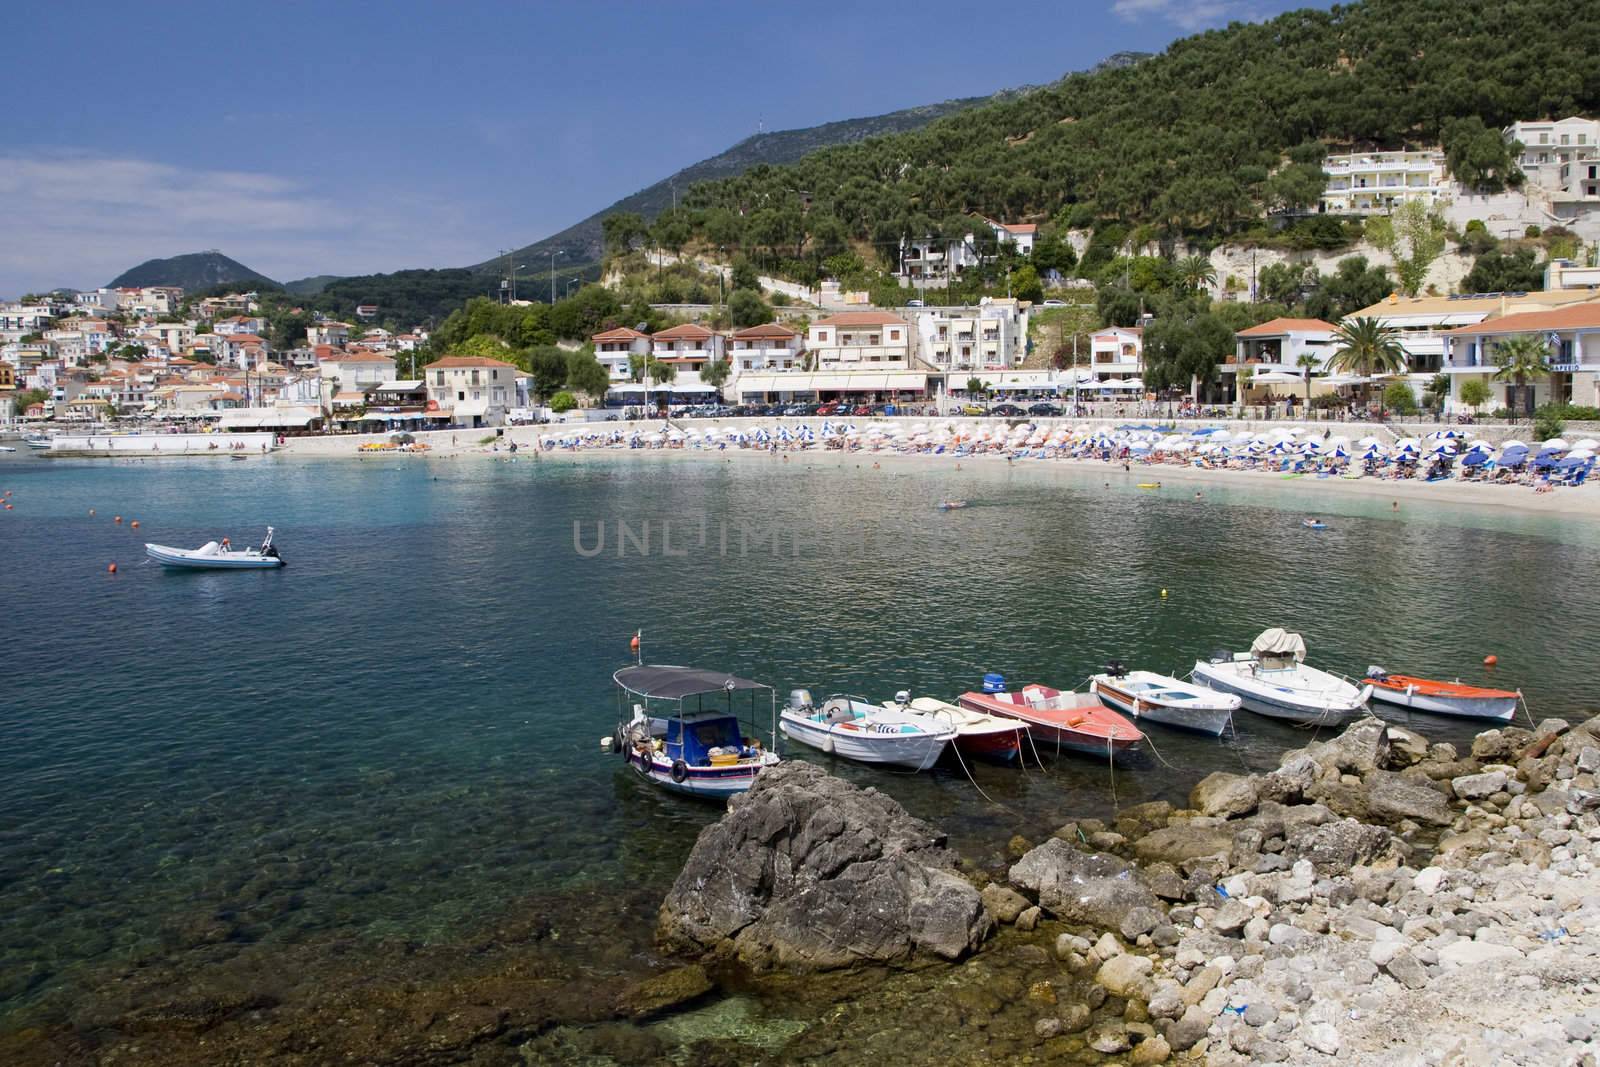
[(328, 333), (22, 319), (1373, 183), (937, 259), (616, 348), (687, 349), (1547, 146), (1572, 336), (357, 371), (1018, 234), (991, 336), (475, 390), (765, 347), (1117, 353), (860, 340)]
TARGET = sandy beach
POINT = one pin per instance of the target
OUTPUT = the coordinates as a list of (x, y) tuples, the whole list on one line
[(1580, 502)]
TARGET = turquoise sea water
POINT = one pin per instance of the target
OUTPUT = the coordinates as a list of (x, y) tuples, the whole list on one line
[(398, 733)]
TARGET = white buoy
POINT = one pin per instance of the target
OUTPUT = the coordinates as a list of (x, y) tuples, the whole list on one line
[(605, 743)]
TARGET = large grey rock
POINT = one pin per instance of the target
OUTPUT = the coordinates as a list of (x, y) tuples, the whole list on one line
[(1478, 786), (1362, 748), (1094, 888), (1393, 798), (1406, 747), (1334, 847), (1221, 793), (808, 871), (1179, 843)]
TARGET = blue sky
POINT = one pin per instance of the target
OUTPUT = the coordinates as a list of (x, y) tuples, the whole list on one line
[(305, 138)]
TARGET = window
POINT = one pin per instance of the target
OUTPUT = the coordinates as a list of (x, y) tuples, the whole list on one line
[(460, 395), (438, 377), (475, 376)]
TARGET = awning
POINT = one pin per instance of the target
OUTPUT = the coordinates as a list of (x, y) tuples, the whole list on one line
[(466, 409), (846, 382), (628, 387), (260, 418)]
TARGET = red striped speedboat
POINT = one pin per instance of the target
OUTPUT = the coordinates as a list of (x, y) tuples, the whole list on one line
[(1442, 698), (1077, 721)]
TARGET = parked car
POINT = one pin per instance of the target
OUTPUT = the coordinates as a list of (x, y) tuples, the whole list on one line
[(1045, 408), (972, 409), (915, 304), (1054, 303), (830, 408), (1006, 411), (861, 410)]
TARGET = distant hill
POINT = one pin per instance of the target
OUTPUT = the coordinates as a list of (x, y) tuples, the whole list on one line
[(311, 286), (583, 242), (196, 270)]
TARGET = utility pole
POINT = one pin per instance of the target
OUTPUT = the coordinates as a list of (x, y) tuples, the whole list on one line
[(553, 255)]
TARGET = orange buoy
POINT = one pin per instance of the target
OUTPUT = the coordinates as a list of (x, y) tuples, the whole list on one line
[(1490, 661), (8, 507), (134, 524), (633, 645), (112, 569), (118, 519)]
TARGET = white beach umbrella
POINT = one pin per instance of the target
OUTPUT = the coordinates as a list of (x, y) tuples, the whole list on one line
[(1555, 444), (1513, 443), (1588, 442), (1581, 453)]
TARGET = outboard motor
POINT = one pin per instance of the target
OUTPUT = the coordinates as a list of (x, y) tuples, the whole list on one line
[(800, 699), (1116, 669), (902, 697), (994, 683), (1377, 673)]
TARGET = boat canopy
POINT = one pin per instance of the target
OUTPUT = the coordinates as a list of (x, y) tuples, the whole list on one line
[(1279, 643), (676, 683)]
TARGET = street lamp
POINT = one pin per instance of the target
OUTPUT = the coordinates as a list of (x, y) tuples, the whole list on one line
[(570, 283), (553, 255)]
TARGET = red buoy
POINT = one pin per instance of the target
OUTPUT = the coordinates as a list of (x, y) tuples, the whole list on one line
[(1490, 661), (112, 569), (134, 524), (118, 519)]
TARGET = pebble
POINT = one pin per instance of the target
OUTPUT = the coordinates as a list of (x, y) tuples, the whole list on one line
[(1260, 1013), (1109, 1037)]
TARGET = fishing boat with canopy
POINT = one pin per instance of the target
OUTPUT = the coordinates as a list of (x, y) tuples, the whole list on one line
[(691, 730)]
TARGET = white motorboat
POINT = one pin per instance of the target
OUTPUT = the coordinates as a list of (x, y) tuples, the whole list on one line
[(869, 733), (1169, 701), (1272, 679), (988, 737), (36, 440), (6, 448), (686, 735), (217, 556)]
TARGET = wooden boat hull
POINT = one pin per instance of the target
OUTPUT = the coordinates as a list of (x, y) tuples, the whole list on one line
[(1090, 728), (712, 783), (1209, 717), (915, 751), (1444, 698), (1279, 702)]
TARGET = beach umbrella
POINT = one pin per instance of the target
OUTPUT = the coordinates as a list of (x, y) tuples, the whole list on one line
[(1555, 444), (1581, 453), (1587, 442)]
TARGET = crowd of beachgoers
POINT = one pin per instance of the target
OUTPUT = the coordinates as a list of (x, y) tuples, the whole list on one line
[(1448, 454)]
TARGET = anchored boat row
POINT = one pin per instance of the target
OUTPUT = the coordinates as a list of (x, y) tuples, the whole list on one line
[(681, 727)]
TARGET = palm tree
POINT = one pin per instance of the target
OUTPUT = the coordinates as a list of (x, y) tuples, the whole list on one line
[(1520, 359), (1196, 271), (1367, 348), (1306, 362)]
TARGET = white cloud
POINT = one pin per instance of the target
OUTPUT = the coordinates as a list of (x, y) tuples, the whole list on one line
[(1190, 15), (80, 219)]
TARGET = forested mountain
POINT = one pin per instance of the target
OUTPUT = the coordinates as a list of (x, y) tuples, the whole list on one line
[(196, 270), (1197, 142)]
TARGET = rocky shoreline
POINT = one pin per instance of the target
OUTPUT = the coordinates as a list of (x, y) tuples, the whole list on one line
[(1375, 899)]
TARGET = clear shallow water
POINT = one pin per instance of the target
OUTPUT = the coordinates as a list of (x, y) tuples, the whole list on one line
[(398, 733)]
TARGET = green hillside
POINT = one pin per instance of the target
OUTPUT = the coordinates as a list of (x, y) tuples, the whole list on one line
[(196, 270), (1199, 142)]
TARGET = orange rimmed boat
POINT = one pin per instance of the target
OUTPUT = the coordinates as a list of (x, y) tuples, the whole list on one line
[(1077, 721), (1442, 698)]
